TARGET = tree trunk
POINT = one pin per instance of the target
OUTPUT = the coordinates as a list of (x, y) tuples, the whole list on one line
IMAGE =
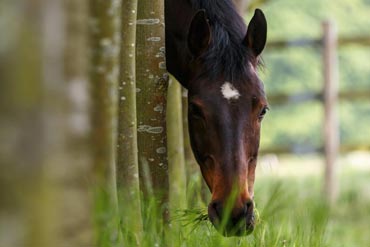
[(127, 160), (176, 157), (152, 82), (241, 6), (104, 68), (26, 217), (75, 215)]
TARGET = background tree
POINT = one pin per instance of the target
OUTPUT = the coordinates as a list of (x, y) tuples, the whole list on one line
[(248, 6), (22, 163), (127, 160), (104, 68), (47, 162), (151, 89), (176, 156), (75, 215), (241, 5)]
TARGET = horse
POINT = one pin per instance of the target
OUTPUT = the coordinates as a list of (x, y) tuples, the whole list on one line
[(215, 56)]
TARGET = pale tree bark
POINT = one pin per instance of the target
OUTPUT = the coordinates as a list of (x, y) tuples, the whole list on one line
[(25, 216), (55, 113), (248, 6), (151, 101), (241, 6), (104, 41), (127, 160), (30, 125), (75, 214), (176, 156)]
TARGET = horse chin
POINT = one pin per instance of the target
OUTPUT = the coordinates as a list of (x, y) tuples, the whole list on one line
[(236, 232)]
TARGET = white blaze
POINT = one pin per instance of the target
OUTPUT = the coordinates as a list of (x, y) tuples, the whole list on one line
[(229, 91)]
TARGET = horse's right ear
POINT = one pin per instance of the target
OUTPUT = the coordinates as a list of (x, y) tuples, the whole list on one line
[(199, 35), (256, 33)]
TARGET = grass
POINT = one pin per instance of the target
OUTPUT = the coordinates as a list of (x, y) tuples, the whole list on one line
[(292, 213), (285, 221)]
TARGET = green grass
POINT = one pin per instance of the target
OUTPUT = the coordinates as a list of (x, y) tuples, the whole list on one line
[(292, 213), (288, 218)]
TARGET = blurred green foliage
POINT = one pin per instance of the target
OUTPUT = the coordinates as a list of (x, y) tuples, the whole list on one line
[(299, 70)]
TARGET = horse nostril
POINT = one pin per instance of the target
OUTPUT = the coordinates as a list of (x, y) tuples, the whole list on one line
[(248, 207), (217, 207)]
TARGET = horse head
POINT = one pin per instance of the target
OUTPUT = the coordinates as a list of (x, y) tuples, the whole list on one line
[(226, 106)]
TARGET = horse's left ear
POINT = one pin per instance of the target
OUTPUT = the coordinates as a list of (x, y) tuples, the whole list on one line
[(256, 33), (199, 35)]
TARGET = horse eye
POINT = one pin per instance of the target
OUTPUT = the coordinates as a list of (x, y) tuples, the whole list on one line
[(263, 112), (195, 111)]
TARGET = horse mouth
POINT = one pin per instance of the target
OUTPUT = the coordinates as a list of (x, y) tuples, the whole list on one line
[(232, 228)]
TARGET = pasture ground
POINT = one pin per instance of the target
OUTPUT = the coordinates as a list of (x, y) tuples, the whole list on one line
[(293, 212)]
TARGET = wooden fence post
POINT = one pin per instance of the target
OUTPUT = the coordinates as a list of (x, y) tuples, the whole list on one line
[(331, 126)]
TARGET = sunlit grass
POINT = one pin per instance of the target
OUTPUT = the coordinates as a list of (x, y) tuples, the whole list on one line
[(192, 218), (292, 213)]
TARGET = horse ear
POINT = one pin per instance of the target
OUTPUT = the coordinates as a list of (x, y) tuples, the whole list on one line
[(199, 35), (256, 33)]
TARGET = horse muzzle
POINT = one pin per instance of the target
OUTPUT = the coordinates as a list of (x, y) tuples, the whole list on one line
[(234, 222)]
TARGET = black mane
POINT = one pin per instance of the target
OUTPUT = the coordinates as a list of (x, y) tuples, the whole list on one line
[(226, 55)]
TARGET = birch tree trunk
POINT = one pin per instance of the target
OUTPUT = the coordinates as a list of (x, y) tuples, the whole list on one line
[(176, 156), (175, 143), (104, 68), (152, 82), (75, 215), (33, 111), (57, 162), (127, 160), (23, 174), (26, 218)]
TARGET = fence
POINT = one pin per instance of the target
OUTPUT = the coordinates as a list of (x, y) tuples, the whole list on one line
[(329, 43)]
